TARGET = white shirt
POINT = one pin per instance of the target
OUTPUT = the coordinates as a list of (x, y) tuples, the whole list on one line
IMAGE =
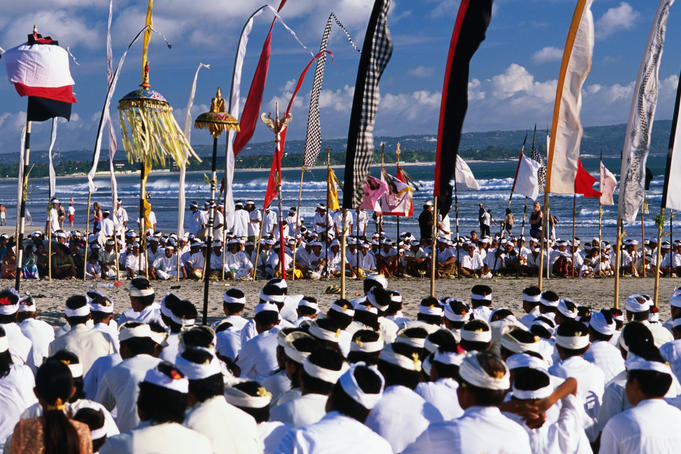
[(366, 261), (41, 334), (269, 222), (270, 434), (107, 226), (302, 411), (167, 265), (229, 429), (153, 439), (258, 357), (19, 345), (242, 220), (472, 263), (277, 384), (401, 416), (110, 427), (16, 395), (661, 335), (254, 223), (442, 395), (228, 342), (671, 351), (652, 426), (53, 219), (238, 263), (86, 343), (479, 430), (335, 433), (94, 376), (151, 313), (607, 357), (119, 389)]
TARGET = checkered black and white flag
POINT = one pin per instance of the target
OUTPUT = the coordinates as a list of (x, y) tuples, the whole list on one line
[(541, 172), (376, 53), (313, 139)]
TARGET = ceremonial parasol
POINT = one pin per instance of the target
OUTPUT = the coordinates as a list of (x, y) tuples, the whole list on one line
[(149, 130), (216, 121)]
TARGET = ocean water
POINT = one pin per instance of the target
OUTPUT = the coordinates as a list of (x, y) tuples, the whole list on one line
[(495, 178)]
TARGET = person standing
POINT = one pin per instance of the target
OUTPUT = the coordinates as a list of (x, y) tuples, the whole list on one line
[(426, 220), (71, 213), (485, 222), (53, 216), (481, 213), (536, 219), (3, 214)]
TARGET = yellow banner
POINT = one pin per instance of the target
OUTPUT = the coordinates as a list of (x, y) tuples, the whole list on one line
[(332, 199)]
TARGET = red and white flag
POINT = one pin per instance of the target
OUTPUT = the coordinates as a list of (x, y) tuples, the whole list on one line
[(608, 185)]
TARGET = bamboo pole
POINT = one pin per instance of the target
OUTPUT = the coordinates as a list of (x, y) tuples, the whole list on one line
[(671, 241), (49, 250), (328, 213), (618, 254), (660, 226), (209, 232), (543, 239), (87, 231), (21, 221), (433, 252), (357, 246), (522, 234), (572, 245), (300, 194), (118, 275), (343, 244), (257, 246), (600, 238), (643, 237)]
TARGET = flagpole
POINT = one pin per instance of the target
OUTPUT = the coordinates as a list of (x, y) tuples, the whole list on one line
[(300, 194), (572, 245), (643, 234), (257, 247), (343, 244), (671, 240), (328, 213), (618, 254), (660, 226), (600, 218), (22, 210), (456, 215), (357, 248), (544, 236), (433, 247), (397, 217), (380, 231), (87, 231), (522, 234)]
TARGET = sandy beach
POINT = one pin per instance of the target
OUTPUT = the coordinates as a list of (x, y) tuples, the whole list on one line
[(596, 293)]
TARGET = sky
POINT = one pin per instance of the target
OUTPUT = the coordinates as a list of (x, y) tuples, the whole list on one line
[(513, 74)]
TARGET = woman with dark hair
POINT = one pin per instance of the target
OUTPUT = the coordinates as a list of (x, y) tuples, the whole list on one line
[(53, 432), (16, 389)]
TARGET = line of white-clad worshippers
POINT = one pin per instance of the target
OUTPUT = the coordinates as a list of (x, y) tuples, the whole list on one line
[(463, 377)]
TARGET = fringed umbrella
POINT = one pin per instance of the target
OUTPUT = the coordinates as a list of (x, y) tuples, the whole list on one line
[(216, 121), (150, 132)]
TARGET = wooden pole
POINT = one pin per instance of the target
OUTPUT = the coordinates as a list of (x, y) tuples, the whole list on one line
[(118, 275), (357, 244), (643, 236), (328, 213), (209, 231), (21, 222), (300, 194), (49, 250), (433, 249), (143, 212), (572, 245), (522, 234), (544, 237), (87, 231), (343, 244), (660, 226), (600, 231), (671, 241), (618, 254)]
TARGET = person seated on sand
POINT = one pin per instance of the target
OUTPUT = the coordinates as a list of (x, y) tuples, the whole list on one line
[(387, 258), (446, 260), (471, 264), (237, 264), (93, 270), (63, 266), (414, 260), (134, 261), (193, 265), (165, 267)]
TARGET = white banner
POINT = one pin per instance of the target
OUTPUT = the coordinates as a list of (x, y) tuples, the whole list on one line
[(607, 185), (112, 132), (640, 125), (463, 175), (566, 134), (527, 180), (53, 175)]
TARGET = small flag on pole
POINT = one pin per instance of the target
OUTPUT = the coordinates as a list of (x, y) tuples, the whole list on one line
[(465, 180), (584, 182), (527, 178), (608, 185), (333, 182)]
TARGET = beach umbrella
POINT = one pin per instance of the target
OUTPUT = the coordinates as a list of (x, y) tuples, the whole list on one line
[(149, 130), (216, 121)]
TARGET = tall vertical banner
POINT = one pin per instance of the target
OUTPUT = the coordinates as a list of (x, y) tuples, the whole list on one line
[(376, 53), (566, 129), (51, 172), (471, 24), (671, 194), (607, 185), (112, 133), (640, 125)]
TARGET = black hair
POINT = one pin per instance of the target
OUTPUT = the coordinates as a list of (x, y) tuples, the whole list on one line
[(597, 335), (531, 291), (444, 370), (636, 335), (616, 313), (222, 326), (76, 302), (234, 308), (381, 296), (339, 400), (429, 318), (572, 328), (156, 327), (444, 339), (540, 331), (651, 383), (527, 379), (480, 289), (267, 318), (141, 283), (475, 325), (305, 310), (182, 309), (364, 335), (306, 344), (412, 333), (549, 295), (394, 306), (368, 318), (54, 384), (501, 314), (342, 320), (369, 284), (395, 375), (584, 314), (159, 404), (95, 420), (252, 388), (198, 336), (492, 365), (326, 358), (66, 357), (208, 387)]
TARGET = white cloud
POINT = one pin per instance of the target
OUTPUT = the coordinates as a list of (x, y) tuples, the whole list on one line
[(70, 29), (475, 92), (420, 71), (618, 18), (547, 54)]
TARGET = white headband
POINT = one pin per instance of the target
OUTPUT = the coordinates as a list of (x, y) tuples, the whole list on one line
[(130, 332), (546, 302), (563, 309), (531, 298), (239, 398), (516, 346), (267, 306), (83, 311), (323, 374), (472, 372), (524, 360), (572, 342), (453, 317), (635, 362), (231, 299), (409, 363), (138, 293), (319, 333), (347, 309), (363, 308), (349, 384), (27, 305), (158, 378), (478, 297), (183, 322), (676, 322), (540, 393), (96, 434), (9, 309), (599, 323), (310, 304), (295, 355), (76, 370), (632, 304), (272, 298), (476, 336), (370, 347), (4, 344), (416, 342), (450, 358), (195, 371), (430, 346), (164, 308), (544, 325), (396, 297), (431, 310)]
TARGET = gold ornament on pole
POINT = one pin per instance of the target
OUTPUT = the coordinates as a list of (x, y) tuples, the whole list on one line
[(216, 121)]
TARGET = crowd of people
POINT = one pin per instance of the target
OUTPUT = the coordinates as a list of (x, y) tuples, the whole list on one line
[(462, 376), (252, 248)]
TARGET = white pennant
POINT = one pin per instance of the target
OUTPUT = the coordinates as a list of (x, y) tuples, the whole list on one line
[(53, 175), (112, 132), (463, 175)]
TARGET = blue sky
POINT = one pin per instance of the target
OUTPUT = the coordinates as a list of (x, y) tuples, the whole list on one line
[(513, 75)]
